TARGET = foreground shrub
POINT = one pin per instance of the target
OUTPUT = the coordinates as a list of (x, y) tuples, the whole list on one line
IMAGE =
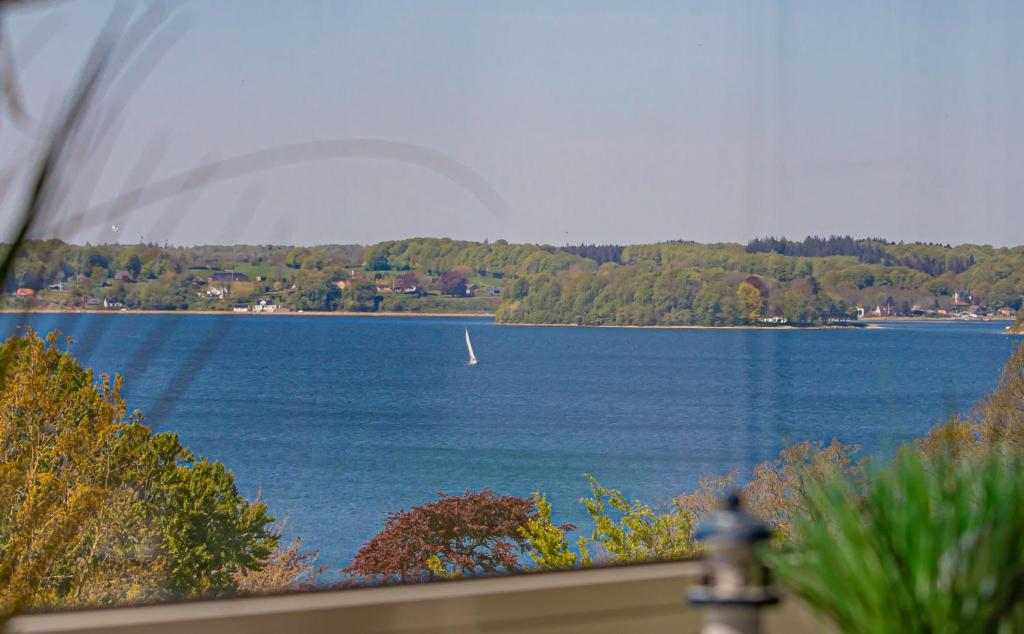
[(926, 546), (96, 509), (996, 423), (478, 533), (1000, 417), (288, 568), (630, 531), (548, 545), (776, 492)]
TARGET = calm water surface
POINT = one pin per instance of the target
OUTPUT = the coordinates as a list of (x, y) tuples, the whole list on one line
[(335, 421)]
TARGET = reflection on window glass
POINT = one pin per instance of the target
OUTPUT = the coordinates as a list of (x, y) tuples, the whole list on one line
[(266, 276)]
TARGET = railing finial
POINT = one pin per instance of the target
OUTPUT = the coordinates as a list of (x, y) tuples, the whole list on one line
[(736, 584)]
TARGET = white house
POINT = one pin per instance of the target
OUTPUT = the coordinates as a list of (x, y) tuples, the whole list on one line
[(264, 306)]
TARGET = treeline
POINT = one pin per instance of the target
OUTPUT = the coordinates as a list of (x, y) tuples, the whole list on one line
[(669, 283), (685, 283), (498, 259), (666, 297), (599, 253), (933, 259)]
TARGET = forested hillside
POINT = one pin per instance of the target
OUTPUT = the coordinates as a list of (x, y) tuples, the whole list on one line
[(767, 281), (810, 281)]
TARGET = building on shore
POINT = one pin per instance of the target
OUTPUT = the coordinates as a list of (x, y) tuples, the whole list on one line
[(264, 306)]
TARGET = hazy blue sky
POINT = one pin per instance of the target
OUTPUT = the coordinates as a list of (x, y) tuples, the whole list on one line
[(593, 122)]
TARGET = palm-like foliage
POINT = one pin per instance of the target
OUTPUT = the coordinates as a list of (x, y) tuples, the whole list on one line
[(926, 546)]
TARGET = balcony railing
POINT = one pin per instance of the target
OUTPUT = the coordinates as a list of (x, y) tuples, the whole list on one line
[(650, 598)]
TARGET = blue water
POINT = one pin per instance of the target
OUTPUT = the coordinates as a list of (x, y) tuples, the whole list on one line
[(335, 421)]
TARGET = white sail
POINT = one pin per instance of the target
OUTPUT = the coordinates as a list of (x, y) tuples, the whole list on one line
[(469, 345)]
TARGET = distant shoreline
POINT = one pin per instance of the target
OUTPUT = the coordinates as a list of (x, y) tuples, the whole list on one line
[(854, 326), (323, 313), (872, 323), (883, 320), (293, 313)]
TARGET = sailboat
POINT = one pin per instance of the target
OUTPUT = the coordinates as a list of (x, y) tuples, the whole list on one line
[(469, 346)]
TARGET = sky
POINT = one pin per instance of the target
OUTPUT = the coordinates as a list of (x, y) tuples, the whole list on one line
[(554, 122)]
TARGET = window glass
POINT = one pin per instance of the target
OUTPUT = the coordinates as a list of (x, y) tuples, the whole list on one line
[(333, 294)]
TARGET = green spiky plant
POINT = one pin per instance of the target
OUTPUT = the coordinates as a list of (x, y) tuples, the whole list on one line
[(925, 546)]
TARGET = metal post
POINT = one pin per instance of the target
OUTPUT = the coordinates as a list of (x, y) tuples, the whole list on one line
[(735, 583)]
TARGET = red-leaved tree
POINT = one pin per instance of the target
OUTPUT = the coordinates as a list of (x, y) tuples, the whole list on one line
[(454, 283), (471, 534)]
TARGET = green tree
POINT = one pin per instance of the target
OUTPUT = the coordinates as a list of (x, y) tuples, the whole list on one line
[(794, 307), (549, 547), (167, 293), (706, 306), (627, 531), (517, 289), (159, 266), (314, 291), (130, 261), (29, 274), (293, 259), (314, 260), (208, 533), (98, 274), (118, 292), (377, 258), (750, 300), (360, 295)]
